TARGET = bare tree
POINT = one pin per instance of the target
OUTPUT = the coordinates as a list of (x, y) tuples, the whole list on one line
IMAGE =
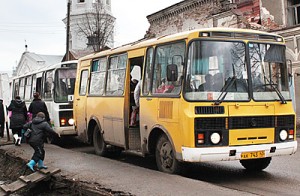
[(97, 26)]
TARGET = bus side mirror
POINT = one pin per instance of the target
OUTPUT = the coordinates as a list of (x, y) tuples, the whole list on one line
[(172, 72)]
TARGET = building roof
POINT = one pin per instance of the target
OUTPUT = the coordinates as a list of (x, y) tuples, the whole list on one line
[(31, 61)]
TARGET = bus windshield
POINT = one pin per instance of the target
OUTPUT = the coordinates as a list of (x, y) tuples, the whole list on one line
[(216, 70), (269, 72), (64, 84)]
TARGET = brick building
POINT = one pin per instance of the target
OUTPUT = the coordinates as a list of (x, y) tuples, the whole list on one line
[(277, 16)]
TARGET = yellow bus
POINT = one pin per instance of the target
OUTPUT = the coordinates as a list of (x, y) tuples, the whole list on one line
[(213, 94)]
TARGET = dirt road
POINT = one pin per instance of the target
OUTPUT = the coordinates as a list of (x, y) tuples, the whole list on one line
[(116, 178)]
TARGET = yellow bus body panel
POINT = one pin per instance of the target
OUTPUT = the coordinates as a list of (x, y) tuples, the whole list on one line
[(251, 136)]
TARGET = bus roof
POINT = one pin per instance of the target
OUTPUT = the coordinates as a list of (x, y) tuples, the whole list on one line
[(177, 36), (49, 67)]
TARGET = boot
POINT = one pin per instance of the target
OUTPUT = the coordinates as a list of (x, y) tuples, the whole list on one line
[(16, 138), (31, 165), (41, 164), (19, 141)]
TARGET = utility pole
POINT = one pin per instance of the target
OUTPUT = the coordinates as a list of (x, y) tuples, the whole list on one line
[(68, 31)]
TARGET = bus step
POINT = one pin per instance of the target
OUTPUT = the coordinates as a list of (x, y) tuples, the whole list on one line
[(134, 139)]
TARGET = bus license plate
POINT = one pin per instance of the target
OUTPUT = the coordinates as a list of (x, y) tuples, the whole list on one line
[(253, 155)]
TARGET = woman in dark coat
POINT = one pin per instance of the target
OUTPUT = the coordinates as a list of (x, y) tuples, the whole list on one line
[(37, 105), (18, 118), (2, 118), (40, 130)]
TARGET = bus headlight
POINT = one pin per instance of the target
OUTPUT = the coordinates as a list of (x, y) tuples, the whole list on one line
[(283, 135), (71, 121), (215, 138)]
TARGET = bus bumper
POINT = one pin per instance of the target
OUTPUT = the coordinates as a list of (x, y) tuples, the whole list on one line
[(225, 153), (67, 131)]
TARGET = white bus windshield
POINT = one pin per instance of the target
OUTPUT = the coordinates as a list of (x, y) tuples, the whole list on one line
[(64, 84)]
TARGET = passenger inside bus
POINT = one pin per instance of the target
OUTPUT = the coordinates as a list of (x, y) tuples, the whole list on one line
[(208, 84), (164, 87)]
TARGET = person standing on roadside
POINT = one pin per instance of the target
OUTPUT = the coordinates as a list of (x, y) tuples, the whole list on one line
[(38, 105), (2, 118), (18, 118), (40, 130)]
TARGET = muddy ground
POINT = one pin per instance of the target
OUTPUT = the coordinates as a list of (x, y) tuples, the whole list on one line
[(11, 168)]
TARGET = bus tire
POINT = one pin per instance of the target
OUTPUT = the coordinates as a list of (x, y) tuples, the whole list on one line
[(99, 144), (165, 156), (256, 164)]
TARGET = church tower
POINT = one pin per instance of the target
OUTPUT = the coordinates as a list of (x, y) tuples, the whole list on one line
[(83, 22)]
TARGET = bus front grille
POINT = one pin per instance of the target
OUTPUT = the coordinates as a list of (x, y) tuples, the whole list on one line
[(209, 110), (244, 122), (210, 123), (251, 122)]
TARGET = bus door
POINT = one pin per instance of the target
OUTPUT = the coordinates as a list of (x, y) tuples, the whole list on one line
[(80, 103), (113, 103), (132, 114), (37, 83)]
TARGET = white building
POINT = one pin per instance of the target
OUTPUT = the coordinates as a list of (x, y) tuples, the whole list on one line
[(78, 15)]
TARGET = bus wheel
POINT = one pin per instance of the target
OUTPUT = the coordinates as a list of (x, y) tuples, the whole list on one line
[(165, 156), (256, 164), (99, 144)]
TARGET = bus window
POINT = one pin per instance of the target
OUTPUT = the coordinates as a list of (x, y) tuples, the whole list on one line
[(214, 64), (22, 88), (98, 77), (64, 85), (148, 71), (16, 88), (166, 55), (116, 75), (28, 88), (39, 85), (48, 84), (268, 71), (83, 82)]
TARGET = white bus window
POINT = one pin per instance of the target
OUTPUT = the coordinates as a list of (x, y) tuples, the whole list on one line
[(48, 85), (16, 88), (98, 77), (83, 82), (33, 89), (28, 88), (22, 88), (64, 84)]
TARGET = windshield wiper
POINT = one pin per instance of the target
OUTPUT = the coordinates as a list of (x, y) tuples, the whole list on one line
[(283, 101), (224, 90)]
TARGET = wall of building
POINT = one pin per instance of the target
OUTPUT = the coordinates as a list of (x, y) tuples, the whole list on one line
[(192, 14), (187, 15)]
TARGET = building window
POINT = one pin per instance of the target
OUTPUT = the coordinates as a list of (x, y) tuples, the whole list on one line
[(293, 12), (80, 1)]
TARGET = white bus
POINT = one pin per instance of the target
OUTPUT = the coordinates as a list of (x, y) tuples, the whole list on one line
[(55, 84)]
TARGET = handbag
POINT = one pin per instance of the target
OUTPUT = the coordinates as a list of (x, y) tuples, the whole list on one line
[(27, 133)]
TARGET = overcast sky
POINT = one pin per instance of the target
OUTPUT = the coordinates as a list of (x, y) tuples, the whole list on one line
[(40, 24)]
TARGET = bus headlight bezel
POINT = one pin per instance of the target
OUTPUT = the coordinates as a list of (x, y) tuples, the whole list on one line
[(71, 121), (283, 135), (215, 138)]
